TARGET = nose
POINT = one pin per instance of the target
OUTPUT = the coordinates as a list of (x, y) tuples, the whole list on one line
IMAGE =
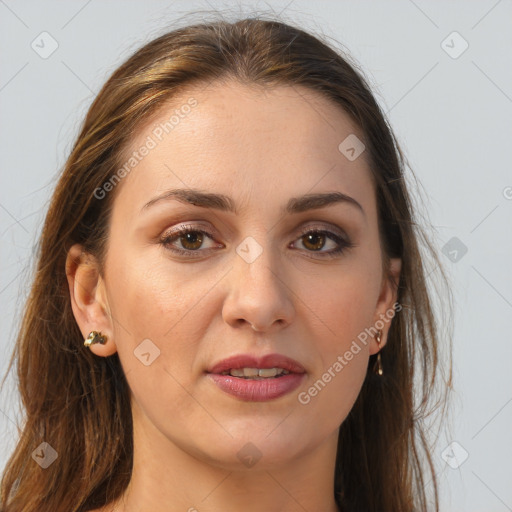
[(259, 294)]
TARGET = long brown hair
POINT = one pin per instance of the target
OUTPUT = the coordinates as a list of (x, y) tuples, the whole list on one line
[(79, 403)]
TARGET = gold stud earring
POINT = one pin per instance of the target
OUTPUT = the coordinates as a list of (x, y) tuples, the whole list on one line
[(95, 337), (378, 366)]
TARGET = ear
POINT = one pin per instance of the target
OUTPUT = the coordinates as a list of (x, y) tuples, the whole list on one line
[(89, 299), (384, 311)]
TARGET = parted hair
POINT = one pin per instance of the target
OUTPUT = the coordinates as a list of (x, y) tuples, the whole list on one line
[(79, 404)]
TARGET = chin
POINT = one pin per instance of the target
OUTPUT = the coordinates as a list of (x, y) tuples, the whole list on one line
[(263, 445)]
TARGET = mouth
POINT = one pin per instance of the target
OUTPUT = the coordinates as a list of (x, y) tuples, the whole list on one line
[(246, 365), (256, 373), (257, 379)]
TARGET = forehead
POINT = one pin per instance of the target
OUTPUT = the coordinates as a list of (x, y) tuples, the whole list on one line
[(249, 142)]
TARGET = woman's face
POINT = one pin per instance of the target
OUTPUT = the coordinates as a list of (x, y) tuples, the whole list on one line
[(246, 280)]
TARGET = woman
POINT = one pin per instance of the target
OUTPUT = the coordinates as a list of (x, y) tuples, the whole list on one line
[(233, 238)]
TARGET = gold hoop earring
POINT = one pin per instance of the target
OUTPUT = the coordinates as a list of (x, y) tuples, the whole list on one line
[(95, 337), (378, 365)]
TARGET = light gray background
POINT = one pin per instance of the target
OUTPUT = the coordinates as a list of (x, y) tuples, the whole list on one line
[(453, 117)]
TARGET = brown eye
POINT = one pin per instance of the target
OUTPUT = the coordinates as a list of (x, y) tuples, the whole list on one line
[(188, 241), (314, 241), (191, 240)]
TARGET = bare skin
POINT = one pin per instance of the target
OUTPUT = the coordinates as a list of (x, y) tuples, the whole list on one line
[(260, 148)]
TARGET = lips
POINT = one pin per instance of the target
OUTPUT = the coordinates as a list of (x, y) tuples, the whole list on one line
[(250, 361)]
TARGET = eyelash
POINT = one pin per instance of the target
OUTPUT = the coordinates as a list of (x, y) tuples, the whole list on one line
[(167, 239)]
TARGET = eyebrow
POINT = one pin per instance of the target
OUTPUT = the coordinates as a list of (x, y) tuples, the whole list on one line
[(225, 203)]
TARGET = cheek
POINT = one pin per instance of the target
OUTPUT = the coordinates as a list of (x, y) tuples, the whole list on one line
[(344, 303), (345, 309), (157, 334), (154, 299), (150, 297)]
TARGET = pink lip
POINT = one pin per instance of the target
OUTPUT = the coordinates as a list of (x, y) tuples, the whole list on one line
[(249, 361), (257, 390)]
